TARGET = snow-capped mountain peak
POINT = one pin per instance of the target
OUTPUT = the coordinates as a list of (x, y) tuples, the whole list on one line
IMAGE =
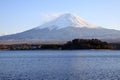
[(66, 20), (64, 28)]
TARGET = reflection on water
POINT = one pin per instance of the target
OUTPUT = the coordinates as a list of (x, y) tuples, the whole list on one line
[(60, 65)]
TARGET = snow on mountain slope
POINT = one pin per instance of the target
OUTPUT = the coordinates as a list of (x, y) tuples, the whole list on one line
[(67, 20), (64, 28)]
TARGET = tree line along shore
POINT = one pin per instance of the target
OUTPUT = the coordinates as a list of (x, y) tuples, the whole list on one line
[(76, 44)]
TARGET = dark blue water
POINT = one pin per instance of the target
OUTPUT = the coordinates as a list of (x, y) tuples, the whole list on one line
[(60, 65)]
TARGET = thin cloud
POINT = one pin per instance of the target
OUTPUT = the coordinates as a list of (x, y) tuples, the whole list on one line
[(46, 17)]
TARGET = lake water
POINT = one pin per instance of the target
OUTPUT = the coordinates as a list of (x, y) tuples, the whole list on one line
[(60, 65)]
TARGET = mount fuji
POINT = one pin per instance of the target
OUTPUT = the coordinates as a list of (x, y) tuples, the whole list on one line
[(64, 28)]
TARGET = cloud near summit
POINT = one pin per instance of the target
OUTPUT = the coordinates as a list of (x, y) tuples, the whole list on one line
[(45, 17)]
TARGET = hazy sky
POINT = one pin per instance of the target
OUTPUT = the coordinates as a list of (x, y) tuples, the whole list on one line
[(21, 15)]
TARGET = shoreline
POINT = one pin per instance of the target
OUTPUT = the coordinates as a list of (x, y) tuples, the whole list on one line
[(76, 44)]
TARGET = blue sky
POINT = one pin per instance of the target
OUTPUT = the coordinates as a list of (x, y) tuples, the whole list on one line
[(21, 15)]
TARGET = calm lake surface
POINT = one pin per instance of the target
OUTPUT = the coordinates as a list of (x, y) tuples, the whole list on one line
[(60, 65)]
